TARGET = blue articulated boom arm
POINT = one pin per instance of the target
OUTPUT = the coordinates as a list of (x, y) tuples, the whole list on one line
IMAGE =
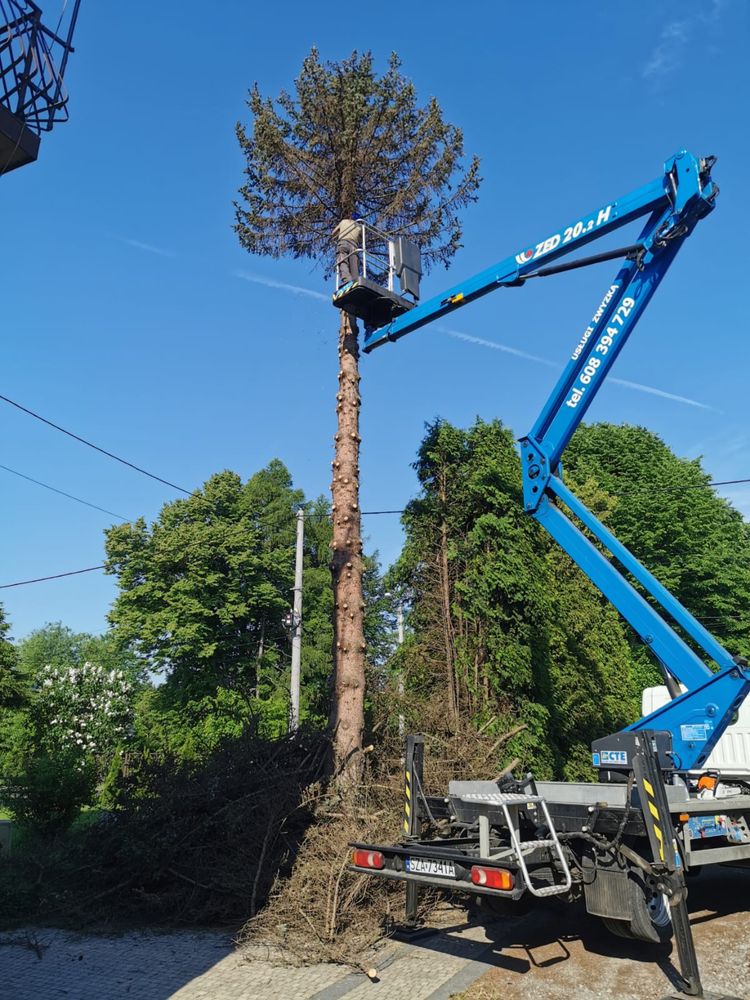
[(672, 206)]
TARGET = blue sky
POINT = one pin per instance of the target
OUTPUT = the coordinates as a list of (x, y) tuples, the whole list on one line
[(133, 317)]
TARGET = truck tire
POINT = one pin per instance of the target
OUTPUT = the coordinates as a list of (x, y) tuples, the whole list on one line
[(650, 919)]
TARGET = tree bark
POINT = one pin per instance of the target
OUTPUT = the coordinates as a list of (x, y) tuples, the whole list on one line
[(347, 707), (450, 643)]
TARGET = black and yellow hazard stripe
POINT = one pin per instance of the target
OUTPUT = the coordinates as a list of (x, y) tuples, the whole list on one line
[(407, 803), (656, 819)]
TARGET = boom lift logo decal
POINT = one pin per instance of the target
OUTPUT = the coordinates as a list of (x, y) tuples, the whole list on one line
[(571, 233)]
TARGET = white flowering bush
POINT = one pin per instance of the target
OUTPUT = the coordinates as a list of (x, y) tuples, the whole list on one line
[(87, 709), (77, 718)]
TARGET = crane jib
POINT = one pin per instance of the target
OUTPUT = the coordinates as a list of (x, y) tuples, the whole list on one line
[(672, 206)]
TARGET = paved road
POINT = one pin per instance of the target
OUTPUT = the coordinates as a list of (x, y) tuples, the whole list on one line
[(552, 954), (52, 964)]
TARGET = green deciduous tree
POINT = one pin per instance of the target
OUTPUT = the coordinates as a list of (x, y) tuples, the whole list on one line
[(56, 645), (205, 592), (74, 719), (348, 142), (204, 589)]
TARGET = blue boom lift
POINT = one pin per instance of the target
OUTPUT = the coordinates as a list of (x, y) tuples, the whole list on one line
[(625, 841)]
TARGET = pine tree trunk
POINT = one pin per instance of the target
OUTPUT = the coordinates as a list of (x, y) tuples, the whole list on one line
[(347, 708), (448, 635)]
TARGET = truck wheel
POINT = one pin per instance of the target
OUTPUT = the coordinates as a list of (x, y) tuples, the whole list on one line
[(650, 919)]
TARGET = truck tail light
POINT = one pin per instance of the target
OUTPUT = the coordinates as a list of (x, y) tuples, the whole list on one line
[(367, 859), (493, 878)]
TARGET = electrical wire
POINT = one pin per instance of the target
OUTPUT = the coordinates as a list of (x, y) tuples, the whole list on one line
[(96, 447), (201, 497), (62, 493), (681, 488), (91, 569), (54, 576)]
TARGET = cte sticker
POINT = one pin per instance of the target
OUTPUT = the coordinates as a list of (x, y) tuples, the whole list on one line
[(611, 758)]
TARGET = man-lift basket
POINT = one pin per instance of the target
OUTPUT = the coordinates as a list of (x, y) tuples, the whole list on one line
[(32, 65), (375, 264)]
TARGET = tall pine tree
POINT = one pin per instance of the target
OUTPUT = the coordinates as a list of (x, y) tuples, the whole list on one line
[(349, 143)]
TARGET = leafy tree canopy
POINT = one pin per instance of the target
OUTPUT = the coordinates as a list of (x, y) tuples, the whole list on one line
[(204, 589), (56, 645)]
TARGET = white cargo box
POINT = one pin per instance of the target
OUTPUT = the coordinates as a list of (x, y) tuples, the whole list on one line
[(731, 755)]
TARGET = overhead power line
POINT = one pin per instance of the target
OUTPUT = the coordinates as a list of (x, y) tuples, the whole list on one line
[(682, 487), (55, 576), (96, 447), (200, 496), (62, 493), (91, 569)]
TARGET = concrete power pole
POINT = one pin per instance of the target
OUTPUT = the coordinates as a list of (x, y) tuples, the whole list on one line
[(297, 625)]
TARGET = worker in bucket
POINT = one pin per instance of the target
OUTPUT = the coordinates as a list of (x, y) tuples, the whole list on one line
[(348, 237)]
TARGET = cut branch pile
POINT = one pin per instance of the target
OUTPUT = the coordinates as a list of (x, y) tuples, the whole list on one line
[(253, 836), (187, 845), (321, 911)]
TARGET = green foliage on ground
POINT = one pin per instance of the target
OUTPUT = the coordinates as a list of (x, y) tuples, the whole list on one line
[(50, 788), (185, 842)]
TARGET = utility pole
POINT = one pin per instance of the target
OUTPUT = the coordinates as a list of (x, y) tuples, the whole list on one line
[(297, 625)]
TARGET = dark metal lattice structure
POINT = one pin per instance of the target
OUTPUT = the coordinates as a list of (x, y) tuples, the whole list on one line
[(33, 59)]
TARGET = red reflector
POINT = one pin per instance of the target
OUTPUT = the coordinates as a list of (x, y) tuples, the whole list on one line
[(493, 878), (368, 859)]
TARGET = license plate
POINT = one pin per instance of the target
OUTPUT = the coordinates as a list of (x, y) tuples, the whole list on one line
[(428, 866)]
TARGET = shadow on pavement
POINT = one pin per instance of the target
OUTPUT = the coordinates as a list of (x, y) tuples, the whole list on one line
[(43, 964), (540, 938)]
